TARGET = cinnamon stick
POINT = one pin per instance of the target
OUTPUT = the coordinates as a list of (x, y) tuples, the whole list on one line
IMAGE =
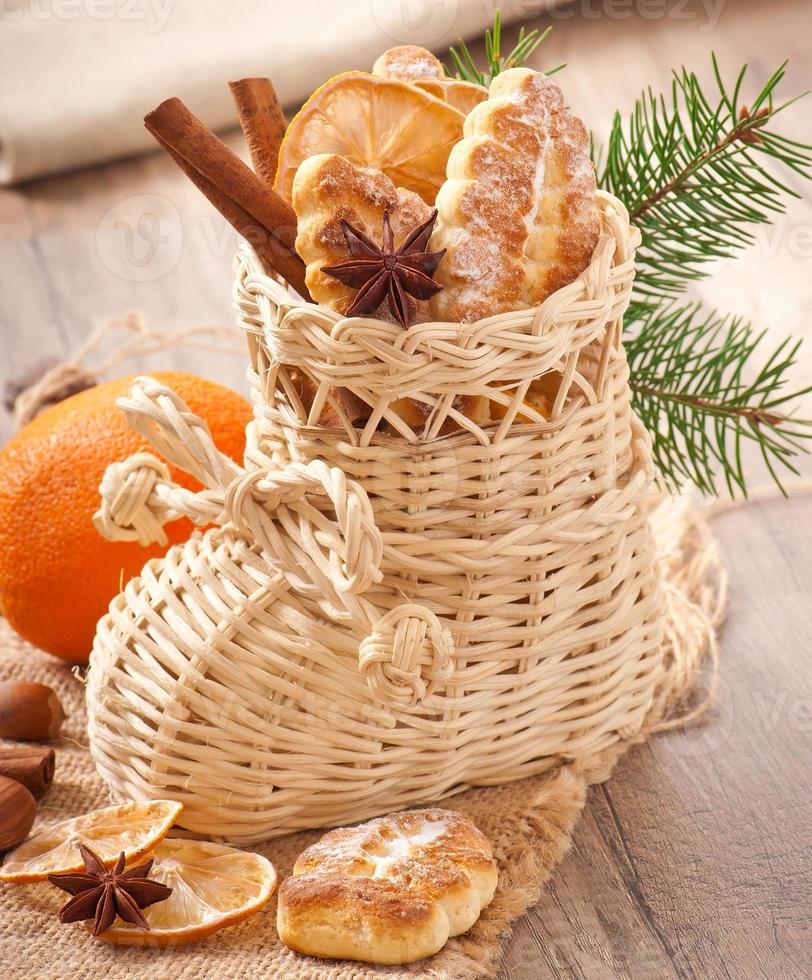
[(262, 217), (263, 123), (31, 765)]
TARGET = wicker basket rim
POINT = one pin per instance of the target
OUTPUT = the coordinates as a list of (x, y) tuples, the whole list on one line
[(616, 246)]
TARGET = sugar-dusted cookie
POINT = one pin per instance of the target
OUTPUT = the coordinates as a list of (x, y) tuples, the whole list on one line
[(392, 890), (518, 214), (408, 62), (328, 190)]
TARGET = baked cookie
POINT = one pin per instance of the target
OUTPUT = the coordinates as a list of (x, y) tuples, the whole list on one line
[(327, 190), (410, 63), (416, 413), (392, 890), (517, 212), (539, 398)]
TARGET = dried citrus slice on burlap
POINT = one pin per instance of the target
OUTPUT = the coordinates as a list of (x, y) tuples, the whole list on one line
[(375, 122), (213, 886), (133, 828)]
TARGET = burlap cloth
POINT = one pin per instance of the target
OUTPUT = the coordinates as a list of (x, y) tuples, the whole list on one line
[(529, 822)]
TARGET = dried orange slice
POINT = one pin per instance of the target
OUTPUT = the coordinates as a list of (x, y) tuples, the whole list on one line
[(461, 95), (133, 828), (213, 886), (409, 63), (375, 122)]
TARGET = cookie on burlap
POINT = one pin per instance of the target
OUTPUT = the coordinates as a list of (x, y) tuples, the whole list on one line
[(392, 890)]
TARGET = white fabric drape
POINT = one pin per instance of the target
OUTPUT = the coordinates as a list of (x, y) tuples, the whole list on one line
[(77, 76)]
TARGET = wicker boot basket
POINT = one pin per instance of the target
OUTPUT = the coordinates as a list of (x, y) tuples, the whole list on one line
[(382, 617)]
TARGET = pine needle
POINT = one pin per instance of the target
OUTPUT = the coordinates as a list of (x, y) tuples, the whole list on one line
[(688, 378), (465, 68), (691, 170)]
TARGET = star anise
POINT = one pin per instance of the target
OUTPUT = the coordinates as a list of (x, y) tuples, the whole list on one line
[(384, 272), (102, 895)]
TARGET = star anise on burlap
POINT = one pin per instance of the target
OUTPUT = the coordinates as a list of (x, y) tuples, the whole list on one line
[(384, 272), (102, 895)]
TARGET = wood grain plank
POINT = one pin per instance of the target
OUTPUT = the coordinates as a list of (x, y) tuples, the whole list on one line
[(695, 859)]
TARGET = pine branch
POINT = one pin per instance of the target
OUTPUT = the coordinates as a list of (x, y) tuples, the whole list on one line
[(688, 370), (465, 67), (691, 171)]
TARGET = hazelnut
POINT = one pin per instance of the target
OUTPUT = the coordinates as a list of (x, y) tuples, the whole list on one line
[(29, 712), (17, 812)]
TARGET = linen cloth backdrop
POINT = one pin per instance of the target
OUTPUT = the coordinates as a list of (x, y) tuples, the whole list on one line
[(77, 76)]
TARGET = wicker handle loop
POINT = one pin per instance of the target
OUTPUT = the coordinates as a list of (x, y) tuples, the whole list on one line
[(407, 655), (162, 417), (318, 552), (138, 495), (341, 554)]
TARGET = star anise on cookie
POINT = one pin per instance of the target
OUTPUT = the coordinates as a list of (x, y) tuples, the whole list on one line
[(384, 272), (102, 895)]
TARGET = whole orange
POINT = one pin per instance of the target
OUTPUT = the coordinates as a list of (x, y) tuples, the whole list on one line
[(57, 575)]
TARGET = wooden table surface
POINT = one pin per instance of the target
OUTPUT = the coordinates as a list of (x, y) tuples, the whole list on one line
[(694, 860)]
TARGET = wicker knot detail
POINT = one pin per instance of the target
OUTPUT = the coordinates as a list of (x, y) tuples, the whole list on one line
[(125, 513), (407, 655), (344, 553)]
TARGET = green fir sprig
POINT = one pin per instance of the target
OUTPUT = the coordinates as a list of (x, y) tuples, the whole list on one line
[(465, 68), (692, 392), (698, 173), (691, 170)]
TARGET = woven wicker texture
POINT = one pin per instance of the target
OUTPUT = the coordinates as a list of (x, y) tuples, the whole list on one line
[(386, 617), (529, 822)]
